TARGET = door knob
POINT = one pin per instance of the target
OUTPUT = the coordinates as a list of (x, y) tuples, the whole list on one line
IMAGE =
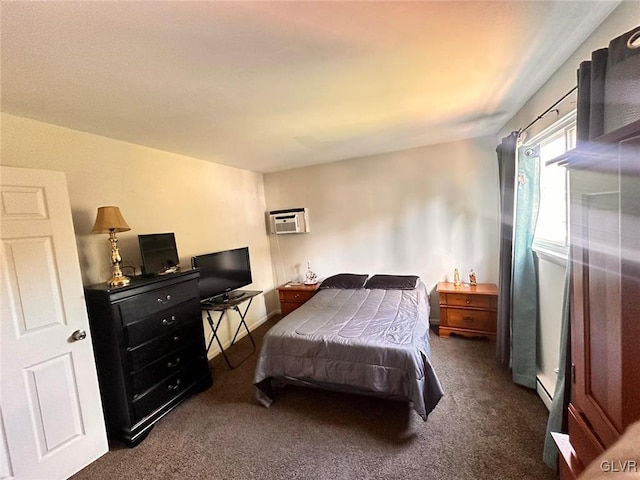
[(79, 335)]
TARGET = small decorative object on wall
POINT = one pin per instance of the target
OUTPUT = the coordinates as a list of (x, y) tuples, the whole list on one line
[(456, 278), (109, 220), (473, 280), (310, 277)]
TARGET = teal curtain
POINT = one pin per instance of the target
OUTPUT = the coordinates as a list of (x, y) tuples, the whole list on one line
[(560, 394), (524, 290)]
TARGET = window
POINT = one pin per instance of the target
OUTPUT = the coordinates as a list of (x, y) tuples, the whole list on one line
[(551, 235)]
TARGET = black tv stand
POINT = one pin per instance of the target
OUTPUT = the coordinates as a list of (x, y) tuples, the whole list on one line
[(234, 295), (225, 298), (217, 304)]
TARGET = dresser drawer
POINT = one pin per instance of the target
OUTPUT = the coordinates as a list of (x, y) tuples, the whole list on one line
[(170, 342), (471, 319), (149, 303), (162, 322), (166, 366), (299, 296), (464, 300), (164, 391)]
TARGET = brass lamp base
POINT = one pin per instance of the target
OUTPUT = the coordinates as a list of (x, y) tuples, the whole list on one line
[(117, 278), (119, 281)]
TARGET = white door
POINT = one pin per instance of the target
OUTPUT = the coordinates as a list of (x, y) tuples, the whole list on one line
[(51, 422)]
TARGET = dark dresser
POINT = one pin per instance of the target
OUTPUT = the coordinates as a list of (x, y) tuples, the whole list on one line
[(149, 345)]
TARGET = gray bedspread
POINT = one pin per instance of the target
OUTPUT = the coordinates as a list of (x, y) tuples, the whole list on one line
[(365, 341)]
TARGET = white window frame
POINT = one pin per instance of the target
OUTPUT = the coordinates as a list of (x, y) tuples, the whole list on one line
[(556, 252)]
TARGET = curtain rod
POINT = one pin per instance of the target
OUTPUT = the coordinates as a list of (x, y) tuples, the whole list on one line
[(550, 109)]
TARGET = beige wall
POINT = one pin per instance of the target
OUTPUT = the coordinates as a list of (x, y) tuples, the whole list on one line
[(551, 276), (423, 211), (209, 207)]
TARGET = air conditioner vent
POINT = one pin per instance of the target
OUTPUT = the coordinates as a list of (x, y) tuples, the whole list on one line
[(295, 220)]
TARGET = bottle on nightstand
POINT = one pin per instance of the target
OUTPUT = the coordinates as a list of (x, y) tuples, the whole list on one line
[(456, 277)]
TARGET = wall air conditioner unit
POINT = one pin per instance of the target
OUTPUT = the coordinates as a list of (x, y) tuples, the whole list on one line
[(293, 220)]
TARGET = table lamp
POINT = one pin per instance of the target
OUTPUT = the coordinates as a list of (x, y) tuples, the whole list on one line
[(109, 220)]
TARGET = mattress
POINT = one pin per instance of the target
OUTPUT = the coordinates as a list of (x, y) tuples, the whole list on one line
[(369, 341)]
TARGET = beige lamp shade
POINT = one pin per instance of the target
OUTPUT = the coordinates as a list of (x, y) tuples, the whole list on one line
[(109, 219)]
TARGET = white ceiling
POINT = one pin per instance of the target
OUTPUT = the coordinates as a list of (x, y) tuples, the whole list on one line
[(267, 86)]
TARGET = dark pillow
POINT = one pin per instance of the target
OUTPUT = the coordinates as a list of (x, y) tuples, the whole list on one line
[(345, 280), (393, 282)]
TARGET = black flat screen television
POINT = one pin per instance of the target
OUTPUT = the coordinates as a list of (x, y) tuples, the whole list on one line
[(221, 273), (159, 253)]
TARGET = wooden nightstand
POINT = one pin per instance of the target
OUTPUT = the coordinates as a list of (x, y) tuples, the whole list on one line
[(468, 310), (292, 296)]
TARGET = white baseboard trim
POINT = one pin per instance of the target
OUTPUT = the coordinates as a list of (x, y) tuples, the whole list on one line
[(544, 395)]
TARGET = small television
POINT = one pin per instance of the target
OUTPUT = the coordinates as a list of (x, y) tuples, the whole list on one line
[(159, 253), (221, 273)]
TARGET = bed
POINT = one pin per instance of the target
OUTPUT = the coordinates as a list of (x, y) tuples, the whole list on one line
[(357, 335)]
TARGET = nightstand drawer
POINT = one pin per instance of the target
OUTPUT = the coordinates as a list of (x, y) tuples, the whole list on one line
[(295, 295), (465, 300), (471, 319)]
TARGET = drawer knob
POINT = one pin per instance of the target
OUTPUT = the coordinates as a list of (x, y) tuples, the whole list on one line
[(169, 322), (175, 386), (176, 338), (165, 300), (468, 301), (173, 364), (296, 295)]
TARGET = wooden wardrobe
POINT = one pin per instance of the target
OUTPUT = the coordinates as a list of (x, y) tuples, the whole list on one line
[(605, 296)]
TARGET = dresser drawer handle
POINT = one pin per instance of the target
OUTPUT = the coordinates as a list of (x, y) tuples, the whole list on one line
[(467, 319), (169, 322), (174, 387), (166, 300), (296, 295), (468, 301), (175, 364), (176, 338)]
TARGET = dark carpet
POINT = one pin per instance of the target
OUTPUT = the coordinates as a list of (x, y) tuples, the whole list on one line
[(485, 427)]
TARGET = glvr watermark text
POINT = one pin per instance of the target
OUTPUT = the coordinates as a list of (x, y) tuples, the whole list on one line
[(619, 466)]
